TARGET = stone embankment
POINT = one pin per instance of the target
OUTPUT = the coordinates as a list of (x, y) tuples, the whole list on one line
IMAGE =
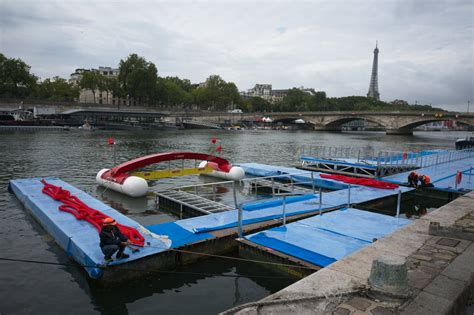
[(437, 250)]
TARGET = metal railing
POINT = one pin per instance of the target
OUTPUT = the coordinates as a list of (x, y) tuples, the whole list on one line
[(386, 157), (292, 182)]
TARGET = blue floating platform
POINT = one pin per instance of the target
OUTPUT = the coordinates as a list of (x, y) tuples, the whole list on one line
[(78, 238), (322, 240)]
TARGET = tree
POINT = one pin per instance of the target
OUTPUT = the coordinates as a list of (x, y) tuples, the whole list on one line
[(90, 81), (217, 94), (295, 100), (57, 89), (15, 78), (257, 104), (138, 78)]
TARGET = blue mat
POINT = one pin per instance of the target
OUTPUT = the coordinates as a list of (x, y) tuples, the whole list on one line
[(322, 240), (78, 238), (178, 235), (259, 205)]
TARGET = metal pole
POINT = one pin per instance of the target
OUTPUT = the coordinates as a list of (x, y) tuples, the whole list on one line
[(241, 230), (470, 172), (273, 187), (399, 199), (312, 182), (349, 196), (235, 195), (115, 160), (320, 201), (284, 210)]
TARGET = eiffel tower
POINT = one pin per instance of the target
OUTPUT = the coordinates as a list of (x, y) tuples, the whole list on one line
[(374, 80)]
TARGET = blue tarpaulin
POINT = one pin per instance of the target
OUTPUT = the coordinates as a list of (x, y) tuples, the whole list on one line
[(322, 240)]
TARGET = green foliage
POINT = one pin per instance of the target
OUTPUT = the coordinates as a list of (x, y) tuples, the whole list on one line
[(57, 89), (15, 78), (173, 91), (91, 80), (216, 94), (256, 104), (138, 78)]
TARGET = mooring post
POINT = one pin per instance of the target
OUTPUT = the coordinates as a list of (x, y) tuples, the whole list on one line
[(115, 155), (358, 156), (284, 210), (399, 200), (292, 185), (273, 187), (241, 230), (320, 201), (312, 182), (349, 196)]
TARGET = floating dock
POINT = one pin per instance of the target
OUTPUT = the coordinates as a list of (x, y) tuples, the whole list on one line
[(78, 238), (322, 240), (210, 233)]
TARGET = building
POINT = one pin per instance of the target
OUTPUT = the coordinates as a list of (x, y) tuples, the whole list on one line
[(266, 92), (374, 79), (101, 97), (260, 90)]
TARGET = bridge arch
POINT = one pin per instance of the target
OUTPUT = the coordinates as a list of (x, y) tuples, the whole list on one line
[(337, 122), (414, 124)]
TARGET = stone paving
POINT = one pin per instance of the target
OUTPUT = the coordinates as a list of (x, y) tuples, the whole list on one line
[(440, 272)]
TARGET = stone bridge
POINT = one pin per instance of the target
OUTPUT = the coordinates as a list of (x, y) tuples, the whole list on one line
[(395, 123)]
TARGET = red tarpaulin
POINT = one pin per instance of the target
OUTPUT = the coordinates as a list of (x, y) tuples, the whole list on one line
[(360, 181)]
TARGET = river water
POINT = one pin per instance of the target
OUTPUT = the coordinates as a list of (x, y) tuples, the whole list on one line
[(76, 156)]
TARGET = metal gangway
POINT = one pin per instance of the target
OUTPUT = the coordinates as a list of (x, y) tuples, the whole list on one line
[(372, 163), (211, 197)]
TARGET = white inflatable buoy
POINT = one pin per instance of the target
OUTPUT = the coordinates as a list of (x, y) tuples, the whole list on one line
[(235, 172), (132, 186)]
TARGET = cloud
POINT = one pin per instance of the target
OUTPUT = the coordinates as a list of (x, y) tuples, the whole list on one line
[(426, 46)]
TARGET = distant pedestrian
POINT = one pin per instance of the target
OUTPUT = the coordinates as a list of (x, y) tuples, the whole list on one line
[(413, 179), (112, 240)]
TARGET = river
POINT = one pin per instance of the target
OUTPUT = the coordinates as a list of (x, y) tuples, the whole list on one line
[(76, 156)]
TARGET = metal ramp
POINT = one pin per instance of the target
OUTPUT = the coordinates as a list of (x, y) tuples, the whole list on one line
[(185, 201), (358, 162), (276, 187)]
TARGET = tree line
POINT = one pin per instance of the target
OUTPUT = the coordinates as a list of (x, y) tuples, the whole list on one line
[(138, 80)]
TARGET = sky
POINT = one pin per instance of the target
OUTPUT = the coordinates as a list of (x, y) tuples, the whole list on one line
[(426, 46)]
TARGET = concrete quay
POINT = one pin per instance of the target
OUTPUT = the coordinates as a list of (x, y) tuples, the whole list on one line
[(439, 253)]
